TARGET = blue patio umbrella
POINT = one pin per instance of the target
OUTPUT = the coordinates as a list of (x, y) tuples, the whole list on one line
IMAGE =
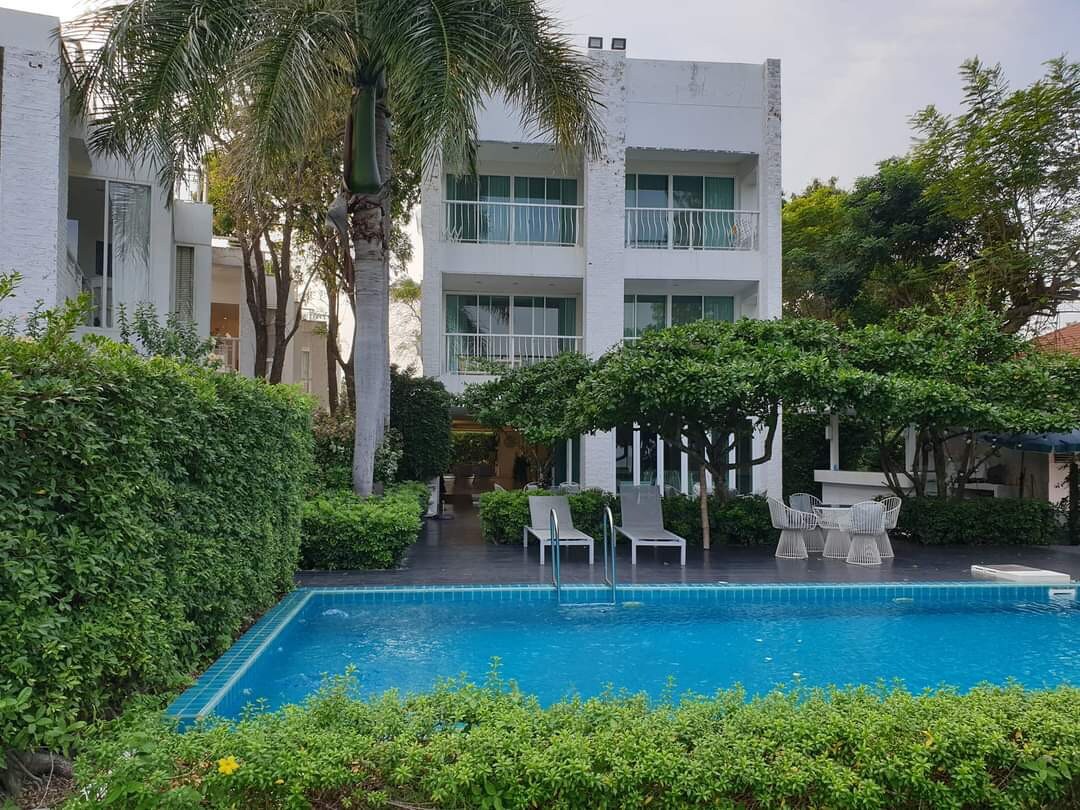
[(1037, 442)]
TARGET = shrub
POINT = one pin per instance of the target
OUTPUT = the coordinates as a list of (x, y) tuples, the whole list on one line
[(148, 511), (978, 521), (490, 747), (334, 450), (736, 521), (420, 410), (343, 532)]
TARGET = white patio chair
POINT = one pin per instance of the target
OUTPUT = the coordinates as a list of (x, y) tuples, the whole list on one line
[(643, 522), (837, 540), (532, 486), (805, 502), (892, 512), (792, 524), (864, 521), (569, 487), (540, 507), (498, 487)]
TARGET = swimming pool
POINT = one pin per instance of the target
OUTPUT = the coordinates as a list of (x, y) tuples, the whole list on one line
[(698, 638)]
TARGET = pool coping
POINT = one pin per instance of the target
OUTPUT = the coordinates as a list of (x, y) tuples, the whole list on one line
[(199, 700)]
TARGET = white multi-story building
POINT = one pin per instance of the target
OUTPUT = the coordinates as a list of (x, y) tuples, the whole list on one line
[(678, 219), (72, 221)]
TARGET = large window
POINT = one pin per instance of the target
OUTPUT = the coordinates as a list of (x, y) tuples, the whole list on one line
[(512, 209), (682, 211), (482, 330), (641, 458), (644, 312)]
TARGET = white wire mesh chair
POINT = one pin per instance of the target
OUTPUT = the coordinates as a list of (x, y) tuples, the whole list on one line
[(864, 522), (792, 524), (805, 502), (892, 512)]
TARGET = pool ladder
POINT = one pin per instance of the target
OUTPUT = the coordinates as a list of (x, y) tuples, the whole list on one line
[(608, 552)]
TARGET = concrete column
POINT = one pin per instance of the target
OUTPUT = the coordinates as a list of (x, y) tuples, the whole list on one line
[(432, 319), (604, 231), (31, 241)]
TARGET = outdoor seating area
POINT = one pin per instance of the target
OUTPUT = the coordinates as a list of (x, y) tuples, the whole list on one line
[(857, 534)]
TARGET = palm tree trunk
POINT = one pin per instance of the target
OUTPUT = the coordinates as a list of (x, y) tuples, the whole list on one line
[(369, 230), (332, 329)]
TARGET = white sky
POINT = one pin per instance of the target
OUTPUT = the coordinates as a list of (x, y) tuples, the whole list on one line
[(853, 70)]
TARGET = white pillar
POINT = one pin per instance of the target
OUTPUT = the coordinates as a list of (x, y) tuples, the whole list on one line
[(604, 234), (834, 441), (432, 319)]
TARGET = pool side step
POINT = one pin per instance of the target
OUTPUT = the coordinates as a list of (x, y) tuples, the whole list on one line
[(1020, 573)]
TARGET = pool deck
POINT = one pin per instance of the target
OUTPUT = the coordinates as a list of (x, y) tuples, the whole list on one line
[(451, 551)]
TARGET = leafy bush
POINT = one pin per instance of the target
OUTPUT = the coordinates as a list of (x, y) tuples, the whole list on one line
[(343, 532), (473, 447), (490, 747), (420, 410), (148, 511), (736, 521), (978, 521), (334, 450)]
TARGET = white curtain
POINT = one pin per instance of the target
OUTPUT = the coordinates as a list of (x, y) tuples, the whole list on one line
[(129, 242)]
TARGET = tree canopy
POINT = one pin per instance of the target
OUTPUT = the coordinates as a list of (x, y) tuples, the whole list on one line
[(987, 203)]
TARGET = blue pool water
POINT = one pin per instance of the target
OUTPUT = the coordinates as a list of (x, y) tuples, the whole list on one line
[(703, 640)]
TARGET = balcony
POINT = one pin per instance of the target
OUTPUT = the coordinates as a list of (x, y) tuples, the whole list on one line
[(691, 229), (512, 223), (490, 354)]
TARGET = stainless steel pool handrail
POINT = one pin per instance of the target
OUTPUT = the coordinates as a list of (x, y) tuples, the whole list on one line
[(609, 551), (556, 572)]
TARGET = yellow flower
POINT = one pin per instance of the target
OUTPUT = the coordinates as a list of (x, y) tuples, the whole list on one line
[(279, 781), (228, 765), (928, 739)]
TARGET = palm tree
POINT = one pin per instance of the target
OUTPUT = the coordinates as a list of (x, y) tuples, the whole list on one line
[(156, 77)]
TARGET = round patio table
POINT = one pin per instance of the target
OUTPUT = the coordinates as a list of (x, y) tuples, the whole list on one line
[(837, 541)]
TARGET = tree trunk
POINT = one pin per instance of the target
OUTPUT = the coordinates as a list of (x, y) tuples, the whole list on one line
[(370, 230), (281, 261), (255, 295), (332, 329)]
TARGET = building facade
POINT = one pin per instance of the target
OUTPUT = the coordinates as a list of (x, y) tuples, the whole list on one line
[(72, 221), (542, 252)]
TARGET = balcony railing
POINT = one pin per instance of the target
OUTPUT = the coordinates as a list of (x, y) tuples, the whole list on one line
[(490, 354), (691, 229), (227, 350), (508, 223)]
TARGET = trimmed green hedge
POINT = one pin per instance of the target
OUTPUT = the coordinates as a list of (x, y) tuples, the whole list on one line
[(420, 411), (978, 521), (149, 510), (489, 747), (735, 521), (342, 532)]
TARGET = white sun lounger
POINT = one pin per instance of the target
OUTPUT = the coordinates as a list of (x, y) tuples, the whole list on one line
[(643, 522), (540, 507)]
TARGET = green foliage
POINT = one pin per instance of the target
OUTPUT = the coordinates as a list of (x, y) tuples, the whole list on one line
[(855, 256), (978, 521), (420, 410), (388, 456), (1008, 167), (736, 521), (175, 338), (344, 532), (534, 400), (333, 447), (149, 509), (491, 747), (473, 447)]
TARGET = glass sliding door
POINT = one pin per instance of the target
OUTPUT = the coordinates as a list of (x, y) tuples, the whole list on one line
[(719, 219), (544, 210), (647, 210), (642, 313), (687, 199), (477, 332)]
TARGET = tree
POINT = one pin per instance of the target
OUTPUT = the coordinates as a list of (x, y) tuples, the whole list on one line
[(856, 256), (697, 386), (420, 411), (162, 73), (953, 376), (535, 400), (1009, 167)]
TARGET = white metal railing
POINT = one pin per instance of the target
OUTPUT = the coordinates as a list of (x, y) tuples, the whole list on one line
[(227, 350), (691, 229), (510, 223), (487, 354)]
